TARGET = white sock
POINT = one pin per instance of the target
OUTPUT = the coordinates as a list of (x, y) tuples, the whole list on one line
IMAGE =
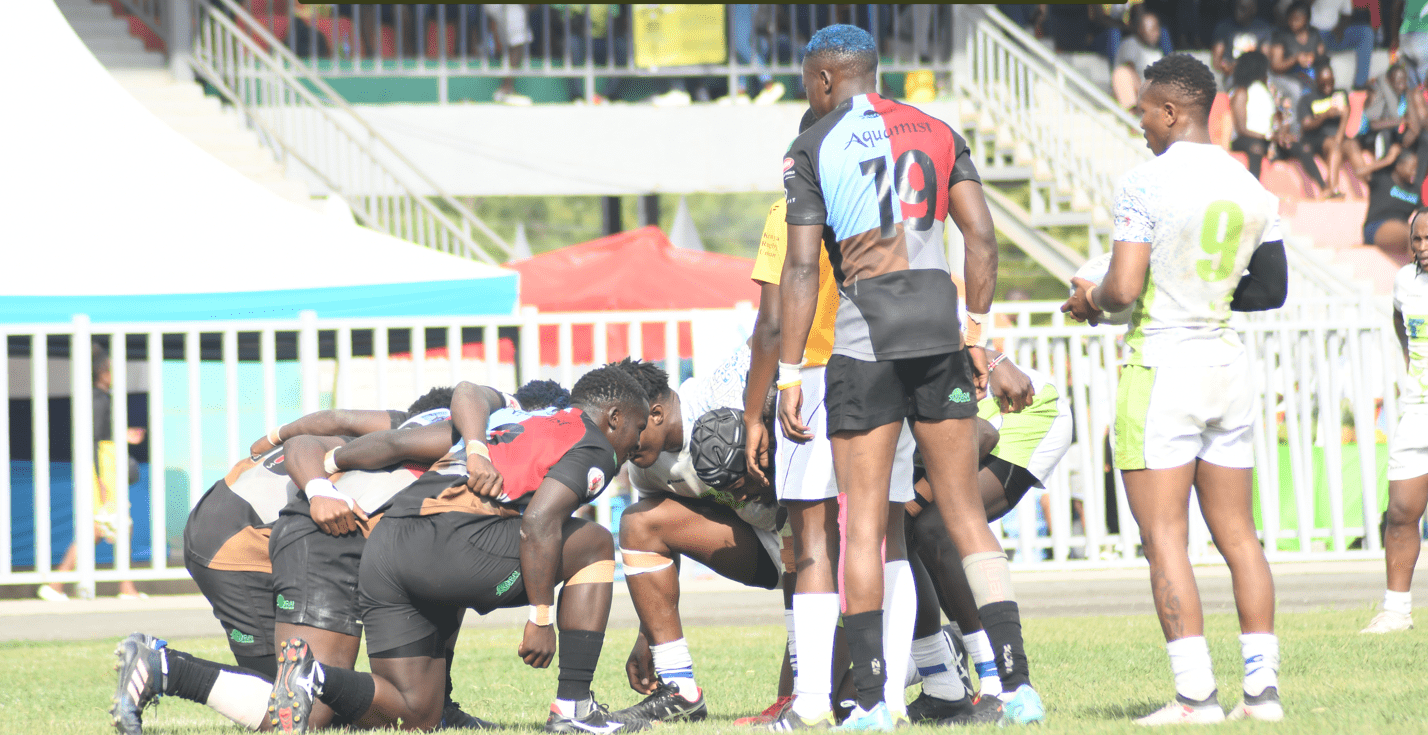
[(1261, 653), (979, 647), (675, 667), (1190, 662), (933, 656), (1399, 602), (816, 619), (242, 698), (899, 617), (792, 641)]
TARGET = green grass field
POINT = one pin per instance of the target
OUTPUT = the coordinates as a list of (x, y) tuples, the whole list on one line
[(1094, 674)]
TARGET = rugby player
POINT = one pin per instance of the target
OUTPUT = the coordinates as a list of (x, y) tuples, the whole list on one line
[(1408, 456), (680, 512), (1187, 225), (506, 549), (898, 354)]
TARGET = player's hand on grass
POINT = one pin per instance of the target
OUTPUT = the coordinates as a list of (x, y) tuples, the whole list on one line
[(1011, 387), (790, 414), (640, 667), (482, 477), (756, 448), (537, 645), (334, 517), (1079, 305)]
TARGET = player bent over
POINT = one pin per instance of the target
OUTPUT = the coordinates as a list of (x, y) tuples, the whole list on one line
[(1187, 225), (1408, 457), (441, 548), (690, 504)]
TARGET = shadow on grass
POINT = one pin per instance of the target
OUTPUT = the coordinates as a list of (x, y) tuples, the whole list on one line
[(1123, 711)]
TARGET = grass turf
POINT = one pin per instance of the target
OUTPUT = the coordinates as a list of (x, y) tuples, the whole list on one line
[(1094, 674)]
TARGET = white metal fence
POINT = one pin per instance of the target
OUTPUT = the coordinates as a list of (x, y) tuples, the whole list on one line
[(1326, 387)]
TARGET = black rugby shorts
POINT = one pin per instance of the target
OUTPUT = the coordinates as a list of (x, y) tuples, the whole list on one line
[(863, 395), (315, 575)]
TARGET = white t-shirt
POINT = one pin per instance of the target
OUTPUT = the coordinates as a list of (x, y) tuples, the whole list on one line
[(1324, 14), (1410, 297), (1203, 215), (673, 472)]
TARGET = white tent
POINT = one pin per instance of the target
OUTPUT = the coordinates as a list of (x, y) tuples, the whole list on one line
[(105, 210)]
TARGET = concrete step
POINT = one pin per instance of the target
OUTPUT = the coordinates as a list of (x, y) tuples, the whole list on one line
[(130, 60), (1061, 219), (1006, 174)]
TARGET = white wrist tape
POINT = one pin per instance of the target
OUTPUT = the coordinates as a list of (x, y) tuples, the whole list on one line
[(275, 435), (329, 461), (789, 373), (542, 614), (323, 488)]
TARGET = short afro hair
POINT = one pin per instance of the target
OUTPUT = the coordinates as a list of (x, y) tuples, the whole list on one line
[(1187, 74), (607, 386), (845, 46), (434, 399), (538, 394), (653, 380)]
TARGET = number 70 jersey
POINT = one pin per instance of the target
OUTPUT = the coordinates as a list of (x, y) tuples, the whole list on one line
[(1203, 215), (875, 174)]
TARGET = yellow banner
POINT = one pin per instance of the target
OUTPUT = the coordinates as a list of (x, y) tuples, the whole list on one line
[(679, 35)]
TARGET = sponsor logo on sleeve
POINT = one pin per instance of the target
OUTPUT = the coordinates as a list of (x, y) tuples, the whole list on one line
[(595, 481)]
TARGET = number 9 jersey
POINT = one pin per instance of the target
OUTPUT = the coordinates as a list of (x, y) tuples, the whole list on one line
[(876, 174), (1203, 215)]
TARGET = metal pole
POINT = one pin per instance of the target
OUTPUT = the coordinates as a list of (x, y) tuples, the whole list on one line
[(81, 386)]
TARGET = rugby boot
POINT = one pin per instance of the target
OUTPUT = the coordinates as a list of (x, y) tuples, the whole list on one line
[(789, 719), (1264, 707), (878, 719), (666, 704), (1022, 707), (141, 668), (1181, 711), (1389, 622), (769, 714), (592, 717), (297, 686), (981, 710), (455, 718), (927, 707)]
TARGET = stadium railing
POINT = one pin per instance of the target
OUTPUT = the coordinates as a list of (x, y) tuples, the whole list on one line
[(1323, 373)]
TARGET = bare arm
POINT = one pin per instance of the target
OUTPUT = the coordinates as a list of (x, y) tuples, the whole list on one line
[(424, 444), (303, 458), (1126, 278), (1279, 62), (968, 207), (1218, 60), (541, 542), (334, 422), (763, 366), (471, 407), (798, 301)]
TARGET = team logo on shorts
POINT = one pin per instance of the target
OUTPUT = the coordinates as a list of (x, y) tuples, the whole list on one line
[(285, 604), (959, 396), (239, 636), (595, 480), (507, 582)]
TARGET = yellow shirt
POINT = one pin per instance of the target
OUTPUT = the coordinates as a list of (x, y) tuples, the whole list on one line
[(768, 266)]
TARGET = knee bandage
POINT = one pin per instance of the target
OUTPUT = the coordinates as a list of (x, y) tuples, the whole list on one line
[(600, 572), (644, 562)]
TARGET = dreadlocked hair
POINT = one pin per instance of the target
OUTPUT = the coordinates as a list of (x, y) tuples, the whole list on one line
[(653, 380), (538, 394), (607, 386), (434, 399), (1189, 75)]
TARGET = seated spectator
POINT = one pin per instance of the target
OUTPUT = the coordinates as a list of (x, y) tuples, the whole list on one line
[(752, 44), (1293, 49), (1135, 54), (511, 28), (1253, 107), (1392, 199), (1115, 21), (1239, 35), (1332, 18), (1322, 114), (1389, 117)]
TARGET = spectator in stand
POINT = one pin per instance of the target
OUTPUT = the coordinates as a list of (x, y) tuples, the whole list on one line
[(1293, 49), (1239, 35), (1413, 39), (512, 30), (751, 46), (1115, 21), (1322, 114), (608, 42), (1390, 116), (1253, 109), (1136, 53), (1392, 199), (1332, 18)]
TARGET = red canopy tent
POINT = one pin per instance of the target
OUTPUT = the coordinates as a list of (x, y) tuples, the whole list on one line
[(633, 270)]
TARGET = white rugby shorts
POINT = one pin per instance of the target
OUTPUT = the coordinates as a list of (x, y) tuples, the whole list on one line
[(1170, 415), (1408, 452)]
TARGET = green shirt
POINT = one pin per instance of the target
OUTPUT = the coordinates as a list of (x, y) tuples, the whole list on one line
[(1415, 16)]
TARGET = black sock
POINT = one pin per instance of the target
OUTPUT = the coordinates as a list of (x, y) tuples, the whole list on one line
[(1002, 621), (188, 677), (865, 647), (349, 693), (264, 666), (450, 658), (579, 652)]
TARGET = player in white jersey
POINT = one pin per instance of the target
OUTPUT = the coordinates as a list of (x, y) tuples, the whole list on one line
[(1408, 452), (1188, 224)]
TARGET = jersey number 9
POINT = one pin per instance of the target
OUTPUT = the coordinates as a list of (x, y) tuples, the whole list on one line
[(1220, 239), (902, 171)]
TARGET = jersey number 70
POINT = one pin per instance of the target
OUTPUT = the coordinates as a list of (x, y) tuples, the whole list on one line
[(902, 171), (1220, 239)]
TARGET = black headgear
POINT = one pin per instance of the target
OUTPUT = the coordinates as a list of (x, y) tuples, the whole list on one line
[(717, 447)]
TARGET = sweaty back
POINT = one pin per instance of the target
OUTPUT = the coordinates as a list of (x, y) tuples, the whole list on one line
[(1203, 215), (876, 175)]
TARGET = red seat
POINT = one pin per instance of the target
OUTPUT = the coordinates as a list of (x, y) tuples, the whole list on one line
[(270, 7), (1222, 122), (433, 37), (274, 24), (151, 40), (1285, 180)]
